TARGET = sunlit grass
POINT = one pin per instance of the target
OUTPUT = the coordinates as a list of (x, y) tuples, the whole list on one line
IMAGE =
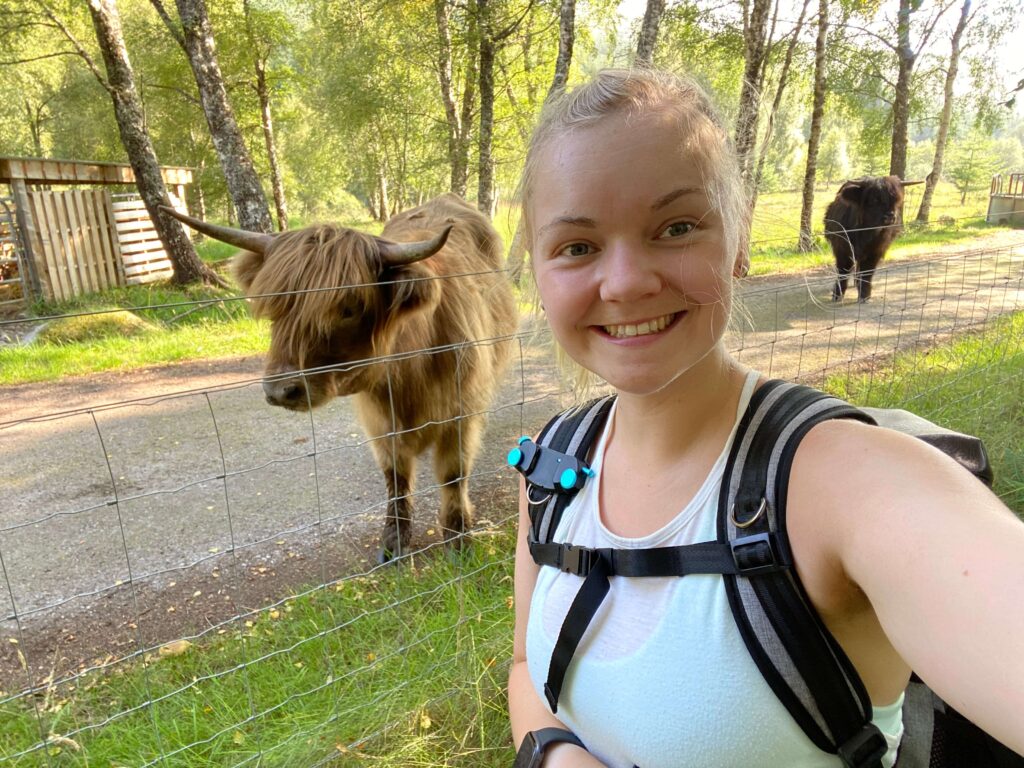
[(134, 327), (403, 667)]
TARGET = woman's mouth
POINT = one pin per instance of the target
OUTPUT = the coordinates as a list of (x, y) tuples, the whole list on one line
[(646, 328)]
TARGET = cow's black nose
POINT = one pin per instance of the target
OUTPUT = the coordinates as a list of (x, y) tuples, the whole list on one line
[(291, 393), (286, 393)]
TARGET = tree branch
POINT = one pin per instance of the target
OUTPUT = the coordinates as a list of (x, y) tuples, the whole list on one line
[(168, 22), (12, 62), (181, 91), (498, 37), (78, 46)]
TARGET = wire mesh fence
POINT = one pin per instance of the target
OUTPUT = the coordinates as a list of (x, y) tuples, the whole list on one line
[(189, 577)]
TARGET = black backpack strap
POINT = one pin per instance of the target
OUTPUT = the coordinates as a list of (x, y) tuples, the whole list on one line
[(795, 652), (571, 432)]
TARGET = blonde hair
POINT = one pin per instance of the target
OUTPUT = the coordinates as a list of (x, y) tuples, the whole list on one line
[(632, 92)]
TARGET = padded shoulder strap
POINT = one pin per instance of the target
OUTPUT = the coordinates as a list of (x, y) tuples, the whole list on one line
[(795, 652), (572, 432)]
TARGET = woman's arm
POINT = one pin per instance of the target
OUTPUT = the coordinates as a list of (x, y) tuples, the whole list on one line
[(526, 710), (938, 556)]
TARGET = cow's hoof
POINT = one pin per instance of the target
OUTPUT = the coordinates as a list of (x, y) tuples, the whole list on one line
[(456, 542), (384, 556), (864, 300)]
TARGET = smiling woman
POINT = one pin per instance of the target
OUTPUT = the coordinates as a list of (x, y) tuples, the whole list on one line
[(636, 221)]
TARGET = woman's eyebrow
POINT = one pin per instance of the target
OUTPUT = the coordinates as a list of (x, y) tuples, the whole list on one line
[(577, 221), (675, 194)]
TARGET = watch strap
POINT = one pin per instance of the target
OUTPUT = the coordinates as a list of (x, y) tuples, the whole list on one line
[(535, 744)]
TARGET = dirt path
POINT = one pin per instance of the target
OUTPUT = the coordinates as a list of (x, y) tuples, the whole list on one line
[(149, 505)]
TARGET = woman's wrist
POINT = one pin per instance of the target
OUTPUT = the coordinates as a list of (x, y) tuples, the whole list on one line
[(565, 755)]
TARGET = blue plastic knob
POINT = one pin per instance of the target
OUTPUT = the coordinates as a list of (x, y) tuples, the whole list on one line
[(523, 439), (514, 457), (568, 479)]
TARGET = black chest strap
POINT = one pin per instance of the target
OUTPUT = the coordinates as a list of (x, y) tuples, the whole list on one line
[(744, 556)]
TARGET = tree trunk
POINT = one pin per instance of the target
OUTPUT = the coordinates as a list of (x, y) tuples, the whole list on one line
[(280, 203), (188, 268), (444, 76), (485, 160), (648, 36), (382, 191), (770, 129), (750, 95), (566, 41), (947, 113), (806, 243), (242, 182), (901, 103)]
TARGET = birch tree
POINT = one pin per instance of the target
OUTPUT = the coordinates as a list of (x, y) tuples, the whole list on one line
[(806, 241), (906, 58), (755, 28), (261, 49), (459, 118), (648, 37), (932, 179), (119, 83), (195, 37), (566, 42)]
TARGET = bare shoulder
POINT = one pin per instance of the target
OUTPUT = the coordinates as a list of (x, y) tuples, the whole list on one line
[(858, 493)]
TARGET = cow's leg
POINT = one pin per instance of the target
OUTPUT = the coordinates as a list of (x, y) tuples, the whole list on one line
[(844, 266), (454, 453), (865, 274), (397, 460)]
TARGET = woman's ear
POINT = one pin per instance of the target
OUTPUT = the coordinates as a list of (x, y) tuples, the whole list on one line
[(741, 266)]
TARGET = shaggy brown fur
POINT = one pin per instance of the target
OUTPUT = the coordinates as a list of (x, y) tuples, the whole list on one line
[(423, 336)]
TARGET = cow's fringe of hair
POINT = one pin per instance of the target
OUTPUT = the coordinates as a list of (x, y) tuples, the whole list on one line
[(323, 255)]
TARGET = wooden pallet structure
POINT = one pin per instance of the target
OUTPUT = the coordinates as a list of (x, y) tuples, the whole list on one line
[(78, 235)]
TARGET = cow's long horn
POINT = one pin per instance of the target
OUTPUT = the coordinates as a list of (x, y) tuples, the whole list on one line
[(257, 242), (911, 183), (397, 254)]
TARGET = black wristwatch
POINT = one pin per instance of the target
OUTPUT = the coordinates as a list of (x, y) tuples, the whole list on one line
[(531, 751)]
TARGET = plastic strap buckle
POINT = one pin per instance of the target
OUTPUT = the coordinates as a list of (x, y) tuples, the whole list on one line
[(757, 554), (866, 748), (577, 560)]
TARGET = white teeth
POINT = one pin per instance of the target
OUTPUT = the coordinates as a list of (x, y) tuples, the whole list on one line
[(643, 329)]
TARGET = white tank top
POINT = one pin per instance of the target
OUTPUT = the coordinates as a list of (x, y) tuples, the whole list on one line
[(662, 676)]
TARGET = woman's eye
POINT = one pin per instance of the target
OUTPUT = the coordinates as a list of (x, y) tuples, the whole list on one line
[(677, 229), (575, 249)]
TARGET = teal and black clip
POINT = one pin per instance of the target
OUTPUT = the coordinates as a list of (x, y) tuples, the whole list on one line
[(547, 468)]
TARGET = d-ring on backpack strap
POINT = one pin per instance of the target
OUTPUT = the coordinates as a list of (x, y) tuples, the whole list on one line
[(796, 654)]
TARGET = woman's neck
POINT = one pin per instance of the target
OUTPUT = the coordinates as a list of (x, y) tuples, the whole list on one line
[(696, 407)]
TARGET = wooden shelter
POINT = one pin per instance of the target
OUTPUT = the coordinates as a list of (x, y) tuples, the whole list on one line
[(83, 239), (1006, 200)]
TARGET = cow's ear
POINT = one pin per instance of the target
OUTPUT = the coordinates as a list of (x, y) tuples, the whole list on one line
[(245, 265), (851, 193), (412, 288)]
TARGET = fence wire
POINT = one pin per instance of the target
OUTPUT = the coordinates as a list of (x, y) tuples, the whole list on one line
[(211, 559)]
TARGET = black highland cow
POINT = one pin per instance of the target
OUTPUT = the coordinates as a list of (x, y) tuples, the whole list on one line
[(860, 225)]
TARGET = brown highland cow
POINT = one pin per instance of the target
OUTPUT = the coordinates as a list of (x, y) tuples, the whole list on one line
[(414, 324)]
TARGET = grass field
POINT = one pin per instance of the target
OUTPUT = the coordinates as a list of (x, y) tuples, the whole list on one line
[(406, 666)]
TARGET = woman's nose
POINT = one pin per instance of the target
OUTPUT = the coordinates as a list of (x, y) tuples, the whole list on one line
[(628, 273)]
